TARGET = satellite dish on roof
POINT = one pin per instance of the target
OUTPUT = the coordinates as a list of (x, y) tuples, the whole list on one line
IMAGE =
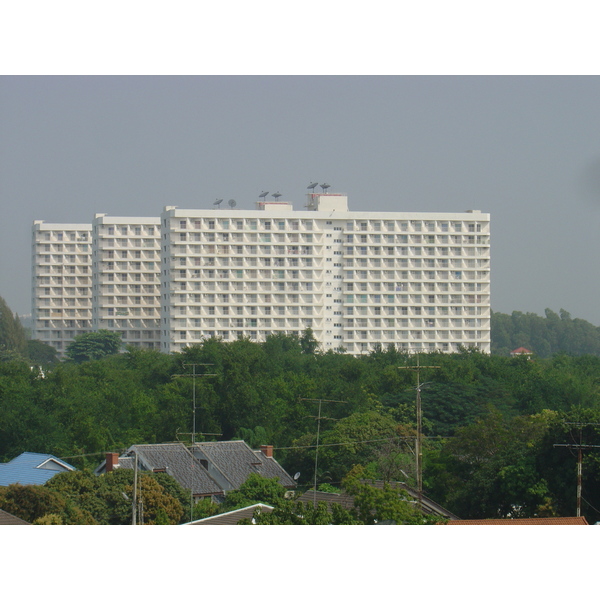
[(324, 186), (217, 202), (296, 476), (263, 195), (232, 203), (312, 186), (276, 195)]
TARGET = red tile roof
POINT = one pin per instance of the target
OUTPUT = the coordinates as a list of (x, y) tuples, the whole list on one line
[(532, 521)]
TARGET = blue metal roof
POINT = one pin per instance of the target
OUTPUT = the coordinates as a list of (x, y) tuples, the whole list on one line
[(31, 468)]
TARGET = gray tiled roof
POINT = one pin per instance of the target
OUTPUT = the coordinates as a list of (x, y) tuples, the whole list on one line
[(343, 500), (178, 462), (233, 517), (236, 461), (8, 519), (429, 507), (271, 468)]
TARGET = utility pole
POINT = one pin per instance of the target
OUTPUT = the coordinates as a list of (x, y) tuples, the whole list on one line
[(419, 444), (193, 375), (580, 446), (134, 505), (319, 417)]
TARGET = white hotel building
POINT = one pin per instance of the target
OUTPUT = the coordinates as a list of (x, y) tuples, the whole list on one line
[(61, 282), (359, 280), (125, 278)]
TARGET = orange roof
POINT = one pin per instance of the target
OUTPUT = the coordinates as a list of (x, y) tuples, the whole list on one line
[(533, 521), (521, 350)]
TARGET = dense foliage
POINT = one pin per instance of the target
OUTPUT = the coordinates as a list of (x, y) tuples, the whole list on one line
[(12, 334), (490, 421), (82, 498), (545, 336)]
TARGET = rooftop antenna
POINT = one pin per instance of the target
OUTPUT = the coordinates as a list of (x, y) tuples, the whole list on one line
[(419, 442), (324, 186), (318, 419), (276, 195), (217, 202), (232, 203), (312, 186), (263, 195)]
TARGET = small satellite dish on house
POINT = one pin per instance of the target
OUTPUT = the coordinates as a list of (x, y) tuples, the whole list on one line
[(324, 186), (217, 202), (232, 203), (263, 195), (276, 195), (312, 186), (297, 476)]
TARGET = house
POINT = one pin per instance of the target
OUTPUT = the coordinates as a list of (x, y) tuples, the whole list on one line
[(31, 468), (8, 519), (521, 352), (428, 506), (531, 521), (233, 517), (208, 469)]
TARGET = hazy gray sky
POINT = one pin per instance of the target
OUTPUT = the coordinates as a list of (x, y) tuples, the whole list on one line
[(525, 149)]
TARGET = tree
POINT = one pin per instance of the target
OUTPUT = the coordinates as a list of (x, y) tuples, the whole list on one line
[(12, 334), (35, 502), (94, 345), (374, 505), (109, 497), (254, 490), (40, 353)]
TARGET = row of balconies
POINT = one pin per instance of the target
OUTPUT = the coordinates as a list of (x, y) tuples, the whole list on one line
[(129, 323), (67, 259), (62, 324), (397, 324), (146, 242), (231, 224)]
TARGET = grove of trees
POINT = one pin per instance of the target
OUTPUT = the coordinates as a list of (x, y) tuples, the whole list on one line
[(500, 433)]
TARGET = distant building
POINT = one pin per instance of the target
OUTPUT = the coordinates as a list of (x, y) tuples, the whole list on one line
[(61, 282), (521, 352), (360, 280)]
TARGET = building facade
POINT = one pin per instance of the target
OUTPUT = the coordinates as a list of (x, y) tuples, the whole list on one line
[(61, 282), (125, 278), (359, 280)]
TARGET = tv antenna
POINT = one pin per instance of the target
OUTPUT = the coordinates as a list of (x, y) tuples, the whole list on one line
[(324, 186), (312, 186), (194, 375), (276, 195), (263, 195), (232, 203), (217, 202), (318, 418), (419, 444)]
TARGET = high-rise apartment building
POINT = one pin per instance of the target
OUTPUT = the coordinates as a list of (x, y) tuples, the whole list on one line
[(61, 282), (359, 280), (125, 278)]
